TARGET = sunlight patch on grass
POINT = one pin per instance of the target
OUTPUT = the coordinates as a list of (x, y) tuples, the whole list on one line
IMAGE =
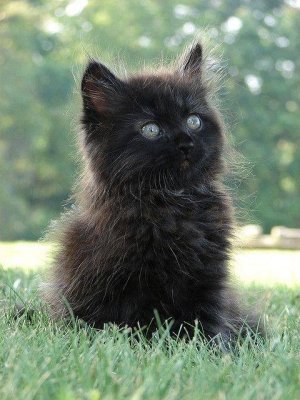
[(267, 267), (26, 255)]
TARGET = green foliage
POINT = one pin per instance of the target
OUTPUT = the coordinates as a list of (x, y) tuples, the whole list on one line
[(43, 44)]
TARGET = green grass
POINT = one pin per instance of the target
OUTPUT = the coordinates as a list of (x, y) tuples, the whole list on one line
[(43, 360)]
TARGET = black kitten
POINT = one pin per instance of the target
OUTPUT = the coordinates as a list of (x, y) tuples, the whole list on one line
[(152, 224)]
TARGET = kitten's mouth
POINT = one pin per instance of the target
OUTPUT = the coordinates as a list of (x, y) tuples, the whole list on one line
[(185, 163)]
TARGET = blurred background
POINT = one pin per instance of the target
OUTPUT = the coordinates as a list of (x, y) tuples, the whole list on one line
[(44, 46)]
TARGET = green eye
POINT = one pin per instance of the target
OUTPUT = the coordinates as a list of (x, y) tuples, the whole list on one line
[(150, 130), (194, 122)]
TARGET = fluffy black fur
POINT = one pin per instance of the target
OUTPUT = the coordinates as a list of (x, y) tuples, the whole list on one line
[(152, 225)]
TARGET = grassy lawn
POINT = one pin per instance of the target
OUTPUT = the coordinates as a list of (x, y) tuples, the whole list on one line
[(40, 360)]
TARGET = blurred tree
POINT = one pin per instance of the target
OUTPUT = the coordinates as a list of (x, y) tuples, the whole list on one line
[(44, 43), (33, 144)]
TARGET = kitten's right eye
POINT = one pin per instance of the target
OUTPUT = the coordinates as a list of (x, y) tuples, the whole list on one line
[(150, 130)]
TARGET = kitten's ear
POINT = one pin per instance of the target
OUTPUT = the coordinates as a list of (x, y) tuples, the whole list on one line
[(99, 88), (191, 62)]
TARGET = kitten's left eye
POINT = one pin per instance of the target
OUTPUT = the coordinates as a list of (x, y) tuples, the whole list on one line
[(194, 122), (150, 130)]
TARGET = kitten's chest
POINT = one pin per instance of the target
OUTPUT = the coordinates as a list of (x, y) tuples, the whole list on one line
[(178, 233), (166, 236)]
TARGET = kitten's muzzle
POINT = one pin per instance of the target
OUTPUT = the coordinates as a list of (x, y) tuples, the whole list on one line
[(185, 149)]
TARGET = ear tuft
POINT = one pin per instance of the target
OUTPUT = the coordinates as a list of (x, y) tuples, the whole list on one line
[(98, 87)]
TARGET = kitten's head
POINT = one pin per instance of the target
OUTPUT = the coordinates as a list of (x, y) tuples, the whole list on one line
[(152, 130)]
